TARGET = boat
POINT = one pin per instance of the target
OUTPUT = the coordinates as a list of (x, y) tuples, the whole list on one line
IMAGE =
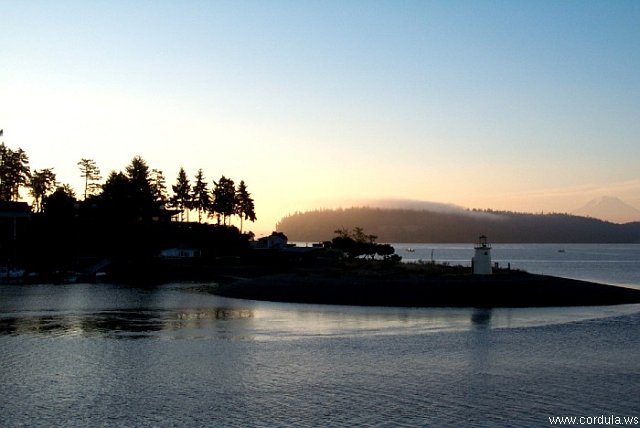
[(10, 275)]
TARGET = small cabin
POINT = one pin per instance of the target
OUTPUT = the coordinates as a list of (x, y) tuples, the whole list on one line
[(481, 261)]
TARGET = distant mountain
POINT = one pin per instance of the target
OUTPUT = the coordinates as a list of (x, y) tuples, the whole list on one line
[(609, 208), (406, 226)]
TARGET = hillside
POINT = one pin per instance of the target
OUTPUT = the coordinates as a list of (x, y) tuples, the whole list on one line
[(407, 226)]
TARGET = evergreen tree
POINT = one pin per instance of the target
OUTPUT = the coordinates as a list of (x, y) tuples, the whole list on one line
[(201, 197), (14, 172), (142, 202), (224, 198), (244, 204), (91, 174), (61, 203), (181, 198), (139, 175), (116, 195), (41, 183), (159, 186)]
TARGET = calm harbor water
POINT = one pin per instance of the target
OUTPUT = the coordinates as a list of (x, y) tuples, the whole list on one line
[(617, 264), (177, 355)]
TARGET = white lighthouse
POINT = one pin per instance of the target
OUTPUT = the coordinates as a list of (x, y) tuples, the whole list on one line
[(481, 261)]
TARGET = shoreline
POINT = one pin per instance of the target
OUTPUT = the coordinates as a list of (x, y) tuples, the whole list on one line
[(360, 282), (519, 289)]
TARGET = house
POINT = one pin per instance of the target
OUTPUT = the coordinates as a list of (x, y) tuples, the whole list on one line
[(13, 210), (163, 214), (15, 220), (275, 241), (180, 253)]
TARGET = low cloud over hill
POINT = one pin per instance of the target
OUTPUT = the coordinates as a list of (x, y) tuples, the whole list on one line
[(456, 225)]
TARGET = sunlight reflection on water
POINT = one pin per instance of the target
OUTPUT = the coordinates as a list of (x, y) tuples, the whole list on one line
[(183, 310)]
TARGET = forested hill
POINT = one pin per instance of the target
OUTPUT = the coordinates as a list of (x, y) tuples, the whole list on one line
[(406, 226)]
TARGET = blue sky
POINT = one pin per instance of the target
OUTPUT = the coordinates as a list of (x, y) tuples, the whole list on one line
[(523, 105)]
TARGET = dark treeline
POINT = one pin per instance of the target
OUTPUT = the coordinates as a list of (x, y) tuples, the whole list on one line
[(129, 215), (413, 226), (136, 192)]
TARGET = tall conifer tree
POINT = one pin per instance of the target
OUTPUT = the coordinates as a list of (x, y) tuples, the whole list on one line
[(244, 204), (91, 174), (201, 197), (224, 198), (181, 198)]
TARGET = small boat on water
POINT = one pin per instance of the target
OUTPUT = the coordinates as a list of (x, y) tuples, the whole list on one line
[(410, 250)]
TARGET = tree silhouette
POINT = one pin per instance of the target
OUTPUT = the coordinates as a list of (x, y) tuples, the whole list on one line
[(158, 185), (41, 183), (141, 193), (130, 195), (138, 192), (14, 172), (181, 198), (91, 174), (357, 244), (244, 204), (200, 197), (138, 174), (61, 203), (116, 195), (224, 196)]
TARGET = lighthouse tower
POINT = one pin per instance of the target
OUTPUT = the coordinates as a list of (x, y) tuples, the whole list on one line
[(481, 261)]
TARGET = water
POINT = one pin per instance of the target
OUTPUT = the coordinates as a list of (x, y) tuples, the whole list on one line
[(176, 355), (617, 264)]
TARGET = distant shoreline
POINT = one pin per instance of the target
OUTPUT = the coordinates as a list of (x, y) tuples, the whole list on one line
[(518, 289), (455, 226)]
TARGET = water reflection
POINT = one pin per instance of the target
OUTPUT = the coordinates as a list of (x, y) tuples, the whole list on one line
[(203, 318), (481, 318), (215, 314), (118, 323), (185, 311)]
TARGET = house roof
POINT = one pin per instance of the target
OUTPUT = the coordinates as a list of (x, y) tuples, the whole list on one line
[(14, 209)]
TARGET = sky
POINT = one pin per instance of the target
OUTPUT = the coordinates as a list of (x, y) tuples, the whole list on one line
[(523, 105)]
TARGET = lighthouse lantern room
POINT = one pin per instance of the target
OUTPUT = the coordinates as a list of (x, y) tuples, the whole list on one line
[(481, 261)]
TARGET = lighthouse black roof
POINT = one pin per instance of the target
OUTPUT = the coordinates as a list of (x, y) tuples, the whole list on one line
[(482, 242)]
